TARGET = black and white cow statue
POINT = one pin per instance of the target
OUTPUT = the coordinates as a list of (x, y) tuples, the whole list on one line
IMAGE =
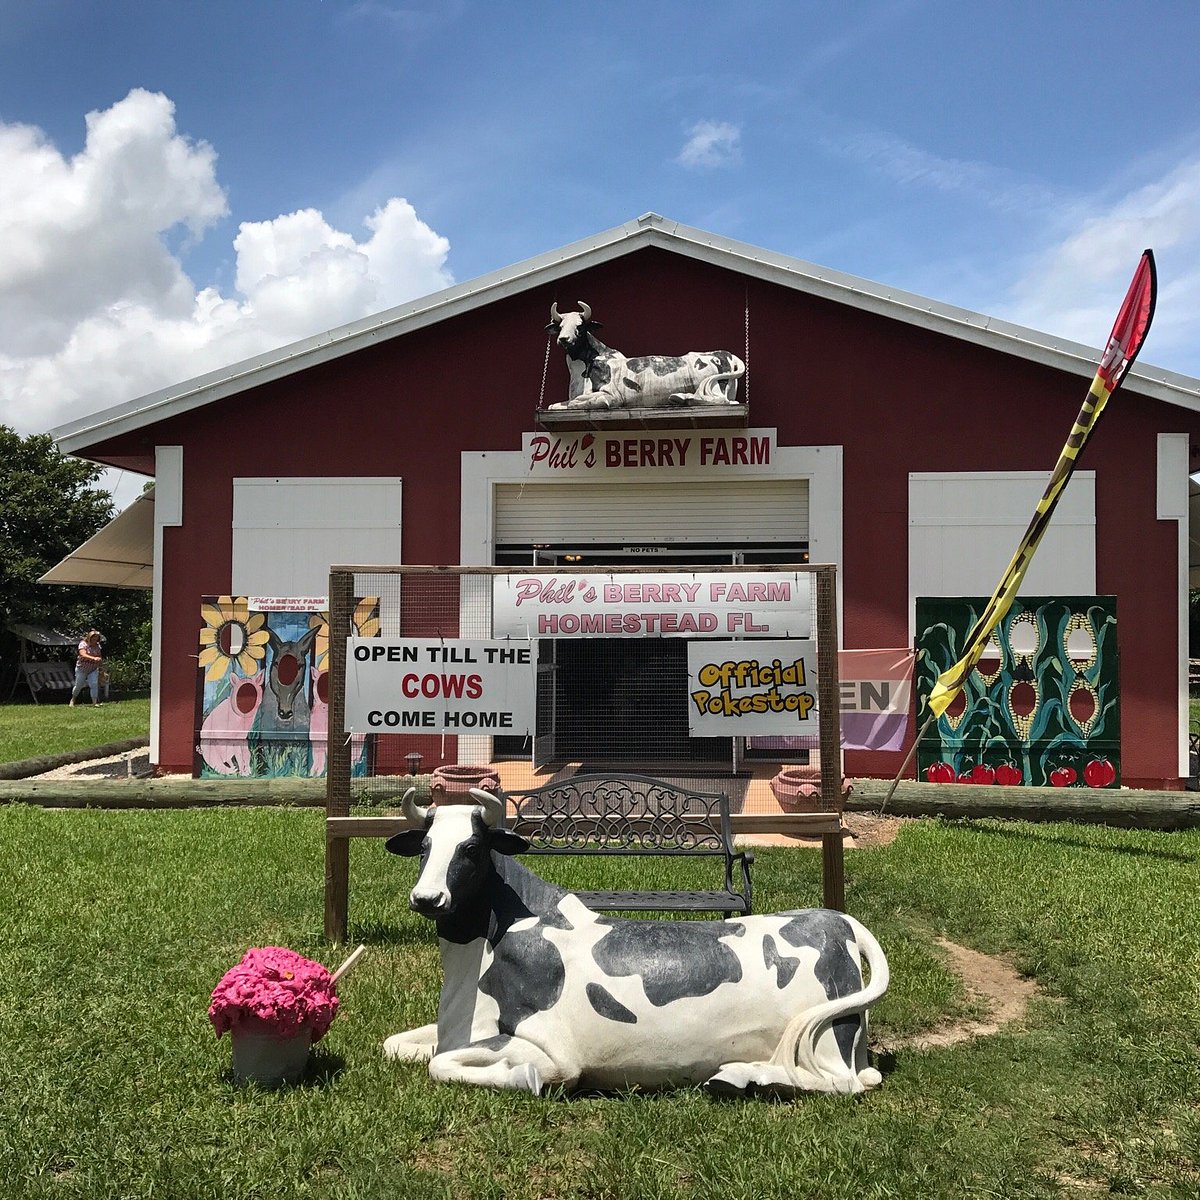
[(604, 378), (541, 992)]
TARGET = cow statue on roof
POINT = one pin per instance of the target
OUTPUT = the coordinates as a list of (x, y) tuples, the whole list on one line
[(604, 378), (540, 992)]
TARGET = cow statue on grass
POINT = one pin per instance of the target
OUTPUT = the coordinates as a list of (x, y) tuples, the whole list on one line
[(540, 992), (605, 378)]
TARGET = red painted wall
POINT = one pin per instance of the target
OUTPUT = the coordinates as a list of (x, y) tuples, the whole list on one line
[(898, 399)]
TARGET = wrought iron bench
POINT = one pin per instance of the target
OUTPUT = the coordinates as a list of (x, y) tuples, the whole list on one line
[(628, 814)]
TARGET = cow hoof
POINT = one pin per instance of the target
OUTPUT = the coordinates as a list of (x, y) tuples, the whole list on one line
[(526, 1078), (732, 1080)]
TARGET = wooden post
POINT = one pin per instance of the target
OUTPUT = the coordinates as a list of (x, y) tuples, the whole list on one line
[(833, 870), (337, 759)]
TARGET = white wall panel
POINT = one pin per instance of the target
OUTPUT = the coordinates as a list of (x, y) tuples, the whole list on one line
[(288, 531), (965, 527)]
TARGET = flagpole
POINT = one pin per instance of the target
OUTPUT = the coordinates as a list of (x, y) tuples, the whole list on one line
[(1128, 333), (908, 758)]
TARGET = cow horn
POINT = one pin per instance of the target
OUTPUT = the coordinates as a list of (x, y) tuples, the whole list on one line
[(413, 812), (586, 309), (555, 316), (493, 807)]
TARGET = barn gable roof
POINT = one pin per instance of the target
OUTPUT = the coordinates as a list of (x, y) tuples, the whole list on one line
[(647, 230)]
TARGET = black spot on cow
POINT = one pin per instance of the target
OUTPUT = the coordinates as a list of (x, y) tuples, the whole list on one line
[(607, 1005), (526, 976), (600, 372), (785, 964), (657, 364), (632, 384), (837, 970), (673, 959)]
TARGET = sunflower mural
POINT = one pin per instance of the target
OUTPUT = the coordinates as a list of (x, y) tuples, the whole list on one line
[(231, 634), (263, 684), (365, 621), (1042, 707)]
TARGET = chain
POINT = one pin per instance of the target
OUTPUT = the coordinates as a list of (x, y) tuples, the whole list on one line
[(746, 381), (545, 368)]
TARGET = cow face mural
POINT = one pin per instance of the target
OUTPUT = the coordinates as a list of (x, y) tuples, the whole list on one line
[(539, 991)]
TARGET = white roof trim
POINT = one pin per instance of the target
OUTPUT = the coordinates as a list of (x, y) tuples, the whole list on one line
[(650, 229)]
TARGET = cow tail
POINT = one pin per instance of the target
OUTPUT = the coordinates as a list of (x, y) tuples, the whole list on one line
[(708, 385), (797, 1048)]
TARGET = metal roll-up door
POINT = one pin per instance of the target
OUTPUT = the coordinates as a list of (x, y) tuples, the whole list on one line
[(733, 512)]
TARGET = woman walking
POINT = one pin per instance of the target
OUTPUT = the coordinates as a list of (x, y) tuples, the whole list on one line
[(87, 666)]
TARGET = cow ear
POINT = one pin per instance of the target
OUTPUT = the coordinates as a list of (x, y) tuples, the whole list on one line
[(595, 324), (552, 325), (504, 842), (408, 844)]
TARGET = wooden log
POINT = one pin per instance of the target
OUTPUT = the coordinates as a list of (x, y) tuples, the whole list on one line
[(1124, 808), (163, 793), (23, 768)]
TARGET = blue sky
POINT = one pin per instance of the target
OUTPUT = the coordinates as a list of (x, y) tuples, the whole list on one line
[(183, 185)]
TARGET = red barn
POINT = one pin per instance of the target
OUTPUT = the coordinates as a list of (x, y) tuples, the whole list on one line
[(904, 440)]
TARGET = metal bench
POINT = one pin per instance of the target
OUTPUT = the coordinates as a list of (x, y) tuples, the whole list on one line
[(630, 814)]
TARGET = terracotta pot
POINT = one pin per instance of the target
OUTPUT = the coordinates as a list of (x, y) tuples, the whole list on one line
[(458, 779), (798, 789)]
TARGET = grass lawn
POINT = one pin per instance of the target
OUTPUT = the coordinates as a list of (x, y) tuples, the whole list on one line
[(32, 730), (118, 924)]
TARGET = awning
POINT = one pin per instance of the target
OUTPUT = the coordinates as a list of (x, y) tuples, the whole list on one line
[(119, 555), (39, 635)]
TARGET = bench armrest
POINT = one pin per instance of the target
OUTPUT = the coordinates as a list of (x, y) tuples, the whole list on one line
[(744, 859)]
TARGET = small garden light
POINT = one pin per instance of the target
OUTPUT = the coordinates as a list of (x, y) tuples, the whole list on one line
[(413, 759)]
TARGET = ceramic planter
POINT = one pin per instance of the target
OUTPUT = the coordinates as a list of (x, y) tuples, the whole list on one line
[(456, 780), (798, 789)]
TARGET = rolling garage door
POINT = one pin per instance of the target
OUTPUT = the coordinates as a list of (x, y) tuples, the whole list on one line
[(731, 512)]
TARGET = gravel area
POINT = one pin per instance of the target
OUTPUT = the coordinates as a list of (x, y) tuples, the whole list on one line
[(130, 765)]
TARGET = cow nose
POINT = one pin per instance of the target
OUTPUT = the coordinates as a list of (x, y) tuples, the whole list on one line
[(429, 904)]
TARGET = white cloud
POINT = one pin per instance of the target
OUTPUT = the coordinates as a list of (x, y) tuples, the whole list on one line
[(908, 165), (1075, 287), (95, 309), (711, 144)]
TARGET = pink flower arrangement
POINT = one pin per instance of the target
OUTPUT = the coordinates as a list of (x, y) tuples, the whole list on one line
[(275, 990)]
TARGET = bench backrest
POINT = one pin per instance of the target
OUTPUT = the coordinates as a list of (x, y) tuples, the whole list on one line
[(48, 676), (597, 813)]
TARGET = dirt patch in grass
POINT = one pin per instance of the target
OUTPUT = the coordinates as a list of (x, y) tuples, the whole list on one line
[(991, 982), (871, 831)]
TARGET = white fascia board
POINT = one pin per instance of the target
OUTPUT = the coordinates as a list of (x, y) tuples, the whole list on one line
[(647, 230)]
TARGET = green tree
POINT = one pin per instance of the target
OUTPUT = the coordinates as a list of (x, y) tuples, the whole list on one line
[(49, 504)]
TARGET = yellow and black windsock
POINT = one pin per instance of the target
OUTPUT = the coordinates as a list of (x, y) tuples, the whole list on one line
[(1128, 334)]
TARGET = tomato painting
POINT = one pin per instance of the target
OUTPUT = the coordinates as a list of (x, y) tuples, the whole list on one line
[(1099, 773), (1063, 776), (940, 772), (983, 774), (966, 777), (1008, 774)]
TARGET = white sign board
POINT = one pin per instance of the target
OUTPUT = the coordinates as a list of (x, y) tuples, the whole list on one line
[(435, 685), (681, 604), (755, 688)]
